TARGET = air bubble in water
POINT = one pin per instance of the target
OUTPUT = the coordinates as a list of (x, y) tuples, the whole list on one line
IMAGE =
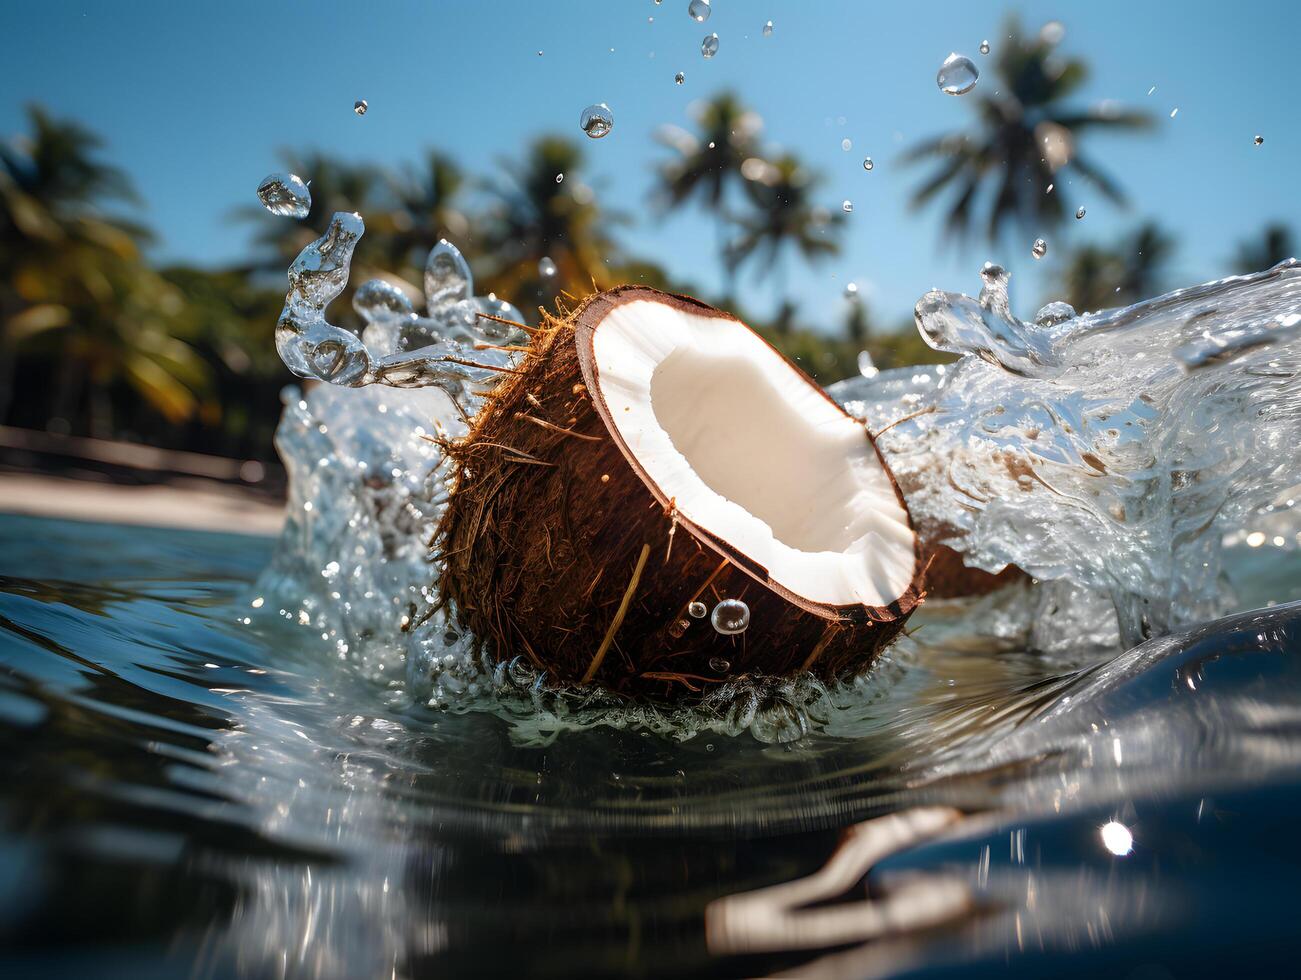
[(709, 46), (958, 75), (984, 47), (285, 195), (847, 205), (767, 29), (731, 616), (1079, 212), (867, 163), (846, 144), (597, 120), (719, 666), (699, 10), (697, 609), (1039, 249), (360, 107), (679, 78), (546, 268)]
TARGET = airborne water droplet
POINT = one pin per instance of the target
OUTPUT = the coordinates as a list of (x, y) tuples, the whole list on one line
[(1079, 213), (846, 144), (851, 290), (767, 29), (597, 120), (1258, 140), (360, 107), (847, 205), (285, 195), (679, 78), (546, 268), (560, 178), (984, 47), (697, 609), (699, 10), (731, 616), (867, 163), (709, 46), (958, 75), (866, 366), (1039, 249)]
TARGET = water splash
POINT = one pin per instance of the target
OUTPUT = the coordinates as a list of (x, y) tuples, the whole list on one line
[(1113, 450), (458, 345)]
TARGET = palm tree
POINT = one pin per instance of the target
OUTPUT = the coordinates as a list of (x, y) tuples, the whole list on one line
[(1096, 277), (782, 216), (1272, 247), (709, 162), (538, 217), (426, 210), (1025, 141), (78, 289)]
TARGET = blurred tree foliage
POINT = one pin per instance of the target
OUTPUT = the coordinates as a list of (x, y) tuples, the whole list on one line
[(96, 340)]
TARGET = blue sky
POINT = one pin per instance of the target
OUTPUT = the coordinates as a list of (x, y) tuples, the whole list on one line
[(194, 100)]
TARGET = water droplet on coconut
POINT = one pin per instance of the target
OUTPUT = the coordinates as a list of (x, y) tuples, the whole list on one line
[(847, 205), (719, 666), (1258, 140), (709, 46), (1079, 213), (699, 10), (697, 609), (285, 195), (597, 120), (958, 75), (767, 29), (679, 78), (546, 268), (560, 178), (361, 105), (731, 616), (984, 47), (867, 163), (1039, 249), (846, 144)]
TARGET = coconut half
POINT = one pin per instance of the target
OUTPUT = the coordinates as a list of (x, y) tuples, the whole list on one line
[(652, 452)]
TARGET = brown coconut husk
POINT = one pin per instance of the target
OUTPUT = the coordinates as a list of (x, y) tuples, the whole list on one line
[(555, 544), (949, 577)]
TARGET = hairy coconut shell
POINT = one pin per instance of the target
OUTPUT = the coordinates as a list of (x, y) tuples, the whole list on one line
[(556, 546)]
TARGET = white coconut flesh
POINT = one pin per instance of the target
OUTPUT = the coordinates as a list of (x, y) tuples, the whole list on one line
[(750, 451)]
